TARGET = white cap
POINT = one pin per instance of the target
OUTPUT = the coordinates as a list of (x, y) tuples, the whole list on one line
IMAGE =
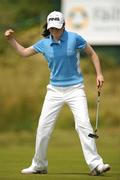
[(55, 19)]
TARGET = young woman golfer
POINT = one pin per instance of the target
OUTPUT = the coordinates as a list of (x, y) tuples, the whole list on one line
[(66, 86)]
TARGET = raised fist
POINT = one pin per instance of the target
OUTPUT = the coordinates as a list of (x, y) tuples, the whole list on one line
[(9, 33)]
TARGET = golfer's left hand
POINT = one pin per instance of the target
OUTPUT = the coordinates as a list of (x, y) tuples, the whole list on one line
[(100, 81)]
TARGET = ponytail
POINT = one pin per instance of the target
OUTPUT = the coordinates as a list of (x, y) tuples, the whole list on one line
[(45, 31)]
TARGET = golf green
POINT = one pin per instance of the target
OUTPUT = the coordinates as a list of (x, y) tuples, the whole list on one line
[(65, 156)]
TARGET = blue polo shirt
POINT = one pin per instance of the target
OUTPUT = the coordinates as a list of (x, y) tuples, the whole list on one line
[(62, 58)]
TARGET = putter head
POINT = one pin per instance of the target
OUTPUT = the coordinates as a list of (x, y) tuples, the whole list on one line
[(93, 136)]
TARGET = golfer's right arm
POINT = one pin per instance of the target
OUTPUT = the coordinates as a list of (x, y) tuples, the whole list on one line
[(24, 52)]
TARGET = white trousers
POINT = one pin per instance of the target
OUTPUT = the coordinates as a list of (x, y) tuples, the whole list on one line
[(75, 97)]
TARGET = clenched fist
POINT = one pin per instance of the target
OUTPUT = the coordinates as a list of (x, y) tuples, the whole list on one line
[(9, 34)]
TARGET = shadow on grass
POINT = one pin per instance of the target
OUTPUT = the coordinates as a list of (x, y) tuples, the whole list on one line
[(105, 175), (67, 173)]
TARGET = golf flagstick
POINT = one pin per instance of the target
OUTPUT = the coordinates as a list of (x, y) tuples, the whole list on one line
[(97, 117)]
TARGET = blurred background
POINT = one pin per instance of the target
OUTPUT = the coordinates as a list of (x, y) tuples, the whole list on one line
[(23, 80)]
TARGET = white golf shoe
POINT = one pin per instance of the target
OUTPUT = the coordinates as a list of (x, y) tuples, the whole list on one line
[(32, 170), (100, 169)]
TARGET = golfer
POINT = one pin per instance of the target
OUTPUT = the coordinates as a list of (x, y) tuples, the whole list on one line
[(66, 86)]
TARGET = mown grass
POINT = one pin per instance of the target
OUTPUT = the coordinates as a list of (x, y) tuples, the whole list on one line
[(64, 154)]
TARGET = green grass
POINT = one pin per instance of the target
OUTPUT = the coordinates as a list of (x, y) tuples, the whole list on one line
[(64, 154)]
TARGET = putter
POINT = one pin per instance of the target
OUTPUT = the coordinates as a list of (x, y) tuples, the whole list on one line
[(96, 126)]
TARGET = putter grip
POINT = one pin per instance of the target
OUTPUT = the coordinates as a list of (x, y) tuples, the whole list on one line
[(98, 93)]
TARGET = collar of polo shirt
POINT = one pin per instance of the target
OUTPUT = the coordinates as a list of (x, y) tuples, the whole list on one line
[(61, 39)]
